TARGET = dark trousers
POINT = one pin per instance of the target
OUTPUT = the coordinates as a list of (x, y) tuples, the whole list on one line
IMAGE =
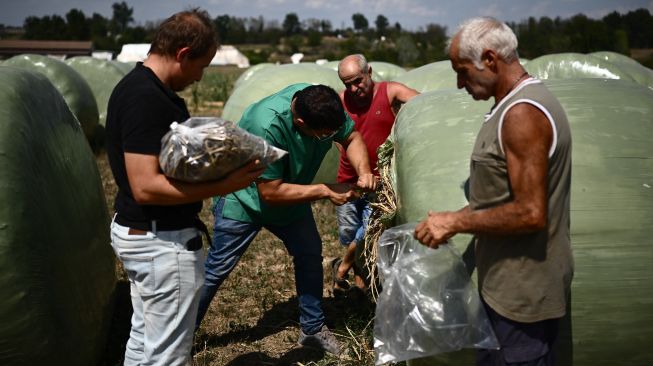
[(522, 344)]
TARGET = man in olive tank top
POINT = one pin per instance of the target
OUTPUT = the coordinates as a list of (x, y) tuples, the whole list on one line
[(519, 187)]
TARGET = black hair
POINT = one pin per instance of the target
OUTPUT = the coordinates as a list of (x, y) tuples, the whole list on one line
[(191, 28), (320, 107)]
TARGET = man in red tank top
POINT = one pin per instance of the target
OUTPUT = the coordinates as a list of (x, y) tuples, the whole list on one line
[(370, 105)]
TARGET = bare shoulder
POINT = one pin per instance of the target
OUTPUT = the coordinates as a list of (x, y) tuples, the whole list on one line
[(400, 92), (526, 125)]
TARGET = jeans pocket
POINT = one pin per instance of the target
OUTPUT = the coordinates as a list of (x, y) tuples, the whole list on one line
[(140, 270)]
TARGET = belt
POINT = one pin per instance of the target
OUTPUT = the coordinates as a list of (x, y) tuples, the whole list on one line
[(192, 245)]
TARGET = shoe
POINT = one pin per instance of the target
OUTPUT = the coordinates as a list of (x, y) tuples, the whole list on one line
[(323, 340), (338, 285)]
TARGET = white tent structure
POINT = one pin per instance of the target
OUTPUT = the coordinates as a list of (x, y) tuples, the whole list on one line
[(133, 52), (229, 55), (226, 55)]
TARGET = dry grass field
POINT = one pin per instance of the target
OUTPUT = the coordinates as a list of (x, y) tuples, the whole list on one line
[(253, 319)]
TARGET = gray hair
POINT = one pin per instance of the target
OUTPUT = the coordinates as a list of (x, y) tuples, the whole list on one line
[(482, 33), (363, 66)]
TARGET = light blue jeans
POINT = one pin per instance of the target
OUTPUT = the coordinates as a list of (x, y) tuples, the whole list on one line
[(165, 280), (352, 221), (302, 240)]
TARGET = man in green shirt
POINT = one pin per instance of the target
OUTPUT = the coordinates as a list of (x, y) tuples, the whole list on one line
[(304, 120)]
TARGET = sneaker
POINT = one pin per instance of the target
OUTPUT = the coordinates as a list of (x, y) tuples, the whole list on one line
[(324, 340)]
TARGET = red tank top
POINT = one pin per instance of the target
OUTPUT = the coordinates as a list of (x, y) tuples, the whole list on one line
[(374, 123)]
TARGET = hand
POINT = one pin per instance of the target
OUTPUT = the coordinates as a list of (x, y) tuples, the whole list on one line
[(244, 176), (433, 230), (341, 193), (367, 182)]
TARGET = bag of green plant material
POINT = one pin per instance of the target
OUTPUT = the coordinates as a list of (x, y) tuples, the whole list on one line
[(208, 148)]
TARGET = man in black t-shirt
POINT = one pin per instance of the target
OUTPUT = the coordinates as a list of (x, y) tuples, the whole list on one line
[(155, 231)]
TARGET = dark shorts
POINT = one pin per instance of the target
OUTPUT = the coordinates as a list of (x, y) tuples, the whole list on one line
[(524, 344)]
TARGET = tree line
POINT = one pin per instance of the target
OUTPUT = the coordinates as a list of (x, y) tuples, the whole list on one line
[(270, 40)]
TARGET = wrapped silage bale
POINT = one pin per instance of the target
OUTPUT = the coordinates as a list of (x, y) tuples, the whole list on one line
[(573, 66), (386, 70), (434, 76), (270, 80), (126, 67), (72, 86), (58, 269), (102, 76), (640, 73), (611, 322), (245, 76)]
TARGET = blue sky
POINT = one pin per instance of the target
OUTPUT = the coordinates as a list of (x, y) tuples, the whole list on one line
[(411, 14)]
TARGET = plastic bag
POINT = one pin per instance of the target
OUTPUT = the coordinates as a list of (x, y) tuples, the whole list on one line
[(208, 148), (428, 304)]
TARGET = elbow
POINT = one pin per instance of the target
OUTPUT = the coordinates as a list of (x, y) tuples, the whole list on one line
[(142, 197), (535, 219)]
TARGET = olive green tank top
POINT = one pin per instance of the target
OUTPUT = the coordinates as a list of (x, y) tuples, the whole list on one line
[(524, 277)]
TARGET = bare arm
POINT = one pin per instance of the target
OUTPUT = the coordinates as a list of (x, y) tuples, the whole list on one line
[(276, 192), (357, 155), (149, 186), (398, 92), (527, 136)]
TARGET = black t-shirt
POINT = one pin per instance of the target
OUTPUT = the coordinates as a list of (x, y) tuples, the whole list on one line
[(139, 113)]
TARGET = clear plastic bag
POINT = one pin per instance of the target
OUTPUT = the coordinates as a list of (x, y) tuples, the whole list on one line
[(208, 148), (428, 304)]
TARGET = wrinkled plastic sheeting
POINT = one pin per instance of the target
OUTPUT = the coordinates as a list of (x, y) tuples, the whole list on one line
[(575, 65), (101, 76), (428, 304), (386, 70), (611, 203), (58, 269), (203, 149), (245, 76), (72, 86), (640, 73), (269, 80), (434, 76), (126, 67)]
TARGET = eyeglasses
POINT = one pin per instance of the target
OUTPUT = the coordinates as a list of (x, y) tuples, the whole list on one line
[(328, 136)]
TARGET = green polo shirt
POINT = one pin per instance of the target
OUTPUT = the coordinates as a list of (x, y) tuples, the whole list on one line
[(271, 119)]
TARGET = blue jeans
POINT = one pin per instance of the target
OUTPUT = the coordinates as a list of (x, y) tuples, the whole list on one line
[(352, 221), (302, 240), (166, 280)]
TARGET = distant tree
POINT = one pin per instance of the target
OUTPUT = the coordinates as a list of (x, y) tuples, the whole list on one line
[(381, 24), (47, 27), (122, 16), (291, 24), (325, 26), (78, 25), (360, 22), (407, 50)]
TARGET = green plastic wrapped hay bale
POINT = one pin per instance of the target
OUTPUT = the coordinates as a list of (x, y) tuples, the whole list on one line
[(333, 65), (574, 65), (386, 70), (126, 67), (611, 205), (72, 86), (250, 72), (641, 74), (58, 269), (102, 76), (434, 76), (270, 80)]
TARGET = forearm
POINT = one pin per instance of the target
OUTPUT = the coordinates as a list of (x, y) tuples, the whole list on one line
[(289, 194), (510, 218), (357, 154), (162, 190)]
